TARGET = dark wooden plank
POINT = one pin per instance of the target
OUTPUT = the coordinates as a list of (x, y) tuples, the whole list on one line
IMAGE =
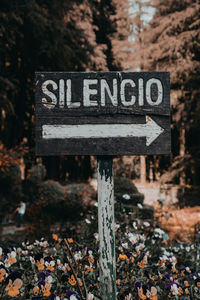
[(77, 93), (115, 115), (107, 146)]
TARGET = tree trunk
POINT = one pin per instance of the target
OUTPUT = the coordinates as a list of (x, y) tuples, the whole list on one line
[(182, 152), (142, 169)]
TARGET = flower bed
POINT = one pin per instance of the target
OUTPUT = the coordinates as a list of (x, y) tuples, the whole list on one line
[(148, 267)]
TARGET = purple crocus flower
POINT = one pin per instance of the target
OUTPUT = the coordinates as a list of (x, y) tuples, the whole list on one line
[(137, 285), (77, 250), (169, 284), (42, 275), (167, 276), (70, 293), (40, 283), (128, 254), (48, 259)]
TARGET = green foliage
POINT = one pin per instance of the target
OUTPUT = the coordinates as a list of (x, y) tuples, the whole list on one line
[(50, 203), (51, 192), (77, 190), (147, 266)]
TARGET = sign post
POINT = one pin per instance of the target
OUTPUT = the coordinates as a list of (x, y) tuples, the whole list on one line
[(106, 228), (103, 114)]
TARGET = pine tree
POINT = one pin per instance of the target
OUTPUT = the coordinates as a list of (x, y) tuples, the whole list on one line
[(41, 36), (69, 35), (113, 27), (172, 43), (139, 15)]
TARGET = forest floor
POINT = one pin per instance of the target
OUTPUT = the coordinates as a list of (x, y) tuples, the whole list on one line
[(178, 223)]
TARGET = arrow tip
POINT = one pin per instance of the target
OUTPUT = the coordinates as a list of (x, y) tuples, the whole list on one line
[(154, 130)]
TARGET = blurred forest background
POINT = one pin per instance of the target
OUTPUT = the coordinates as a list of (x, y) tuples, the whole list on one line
[(94, 35)]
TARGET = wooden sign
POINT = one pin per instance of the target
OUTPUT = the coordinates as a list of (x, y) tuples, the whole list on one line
[(108, 113)]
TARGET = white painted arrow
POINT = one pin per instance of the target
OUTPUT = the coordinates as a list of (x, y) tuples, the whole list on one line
[(151, 130)]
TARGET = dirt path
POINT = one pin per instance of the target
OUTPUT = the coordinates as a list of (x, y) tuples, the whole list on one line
[(179, 223)]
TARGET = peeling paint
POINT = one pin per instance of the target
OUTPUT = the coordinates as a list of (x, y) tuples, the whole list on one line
[(105, 167), (106, 228)]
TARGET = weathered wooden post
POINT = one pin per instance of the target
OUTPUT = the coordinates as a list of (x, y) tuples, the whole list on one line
[(103, 114), (106, 228)]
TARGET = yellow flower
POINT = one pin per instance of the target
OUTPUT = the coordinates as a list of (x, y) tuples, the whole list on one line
[(72, 280), (13, 287), (36, 290), (186, 283), (90, 259), (50, 268), (142, 263), (174, 270), (45, 290), (40, 267), (123, 257), (186, 291), (70, 241), (55, 236), (13, 292), (2, 274), (180, 291), (63, 295), (153, 297), (80, 282), (12, 260), (68, 268), (154, 278), (183, 273), (40, 264), (118, 281), (141, 295), (89, 269)]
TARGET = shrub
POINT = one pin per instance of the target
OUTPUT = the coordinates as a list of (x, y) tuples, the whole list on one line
[(126, 192), (10, 182), (56, 203)]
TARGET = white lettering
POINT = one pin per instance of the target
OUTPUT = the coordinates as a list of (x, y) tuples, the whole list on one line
[(141, 92), (61, 93), (122, 92), (148, 91), (105, 88), (51, 95), (87, 92)]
